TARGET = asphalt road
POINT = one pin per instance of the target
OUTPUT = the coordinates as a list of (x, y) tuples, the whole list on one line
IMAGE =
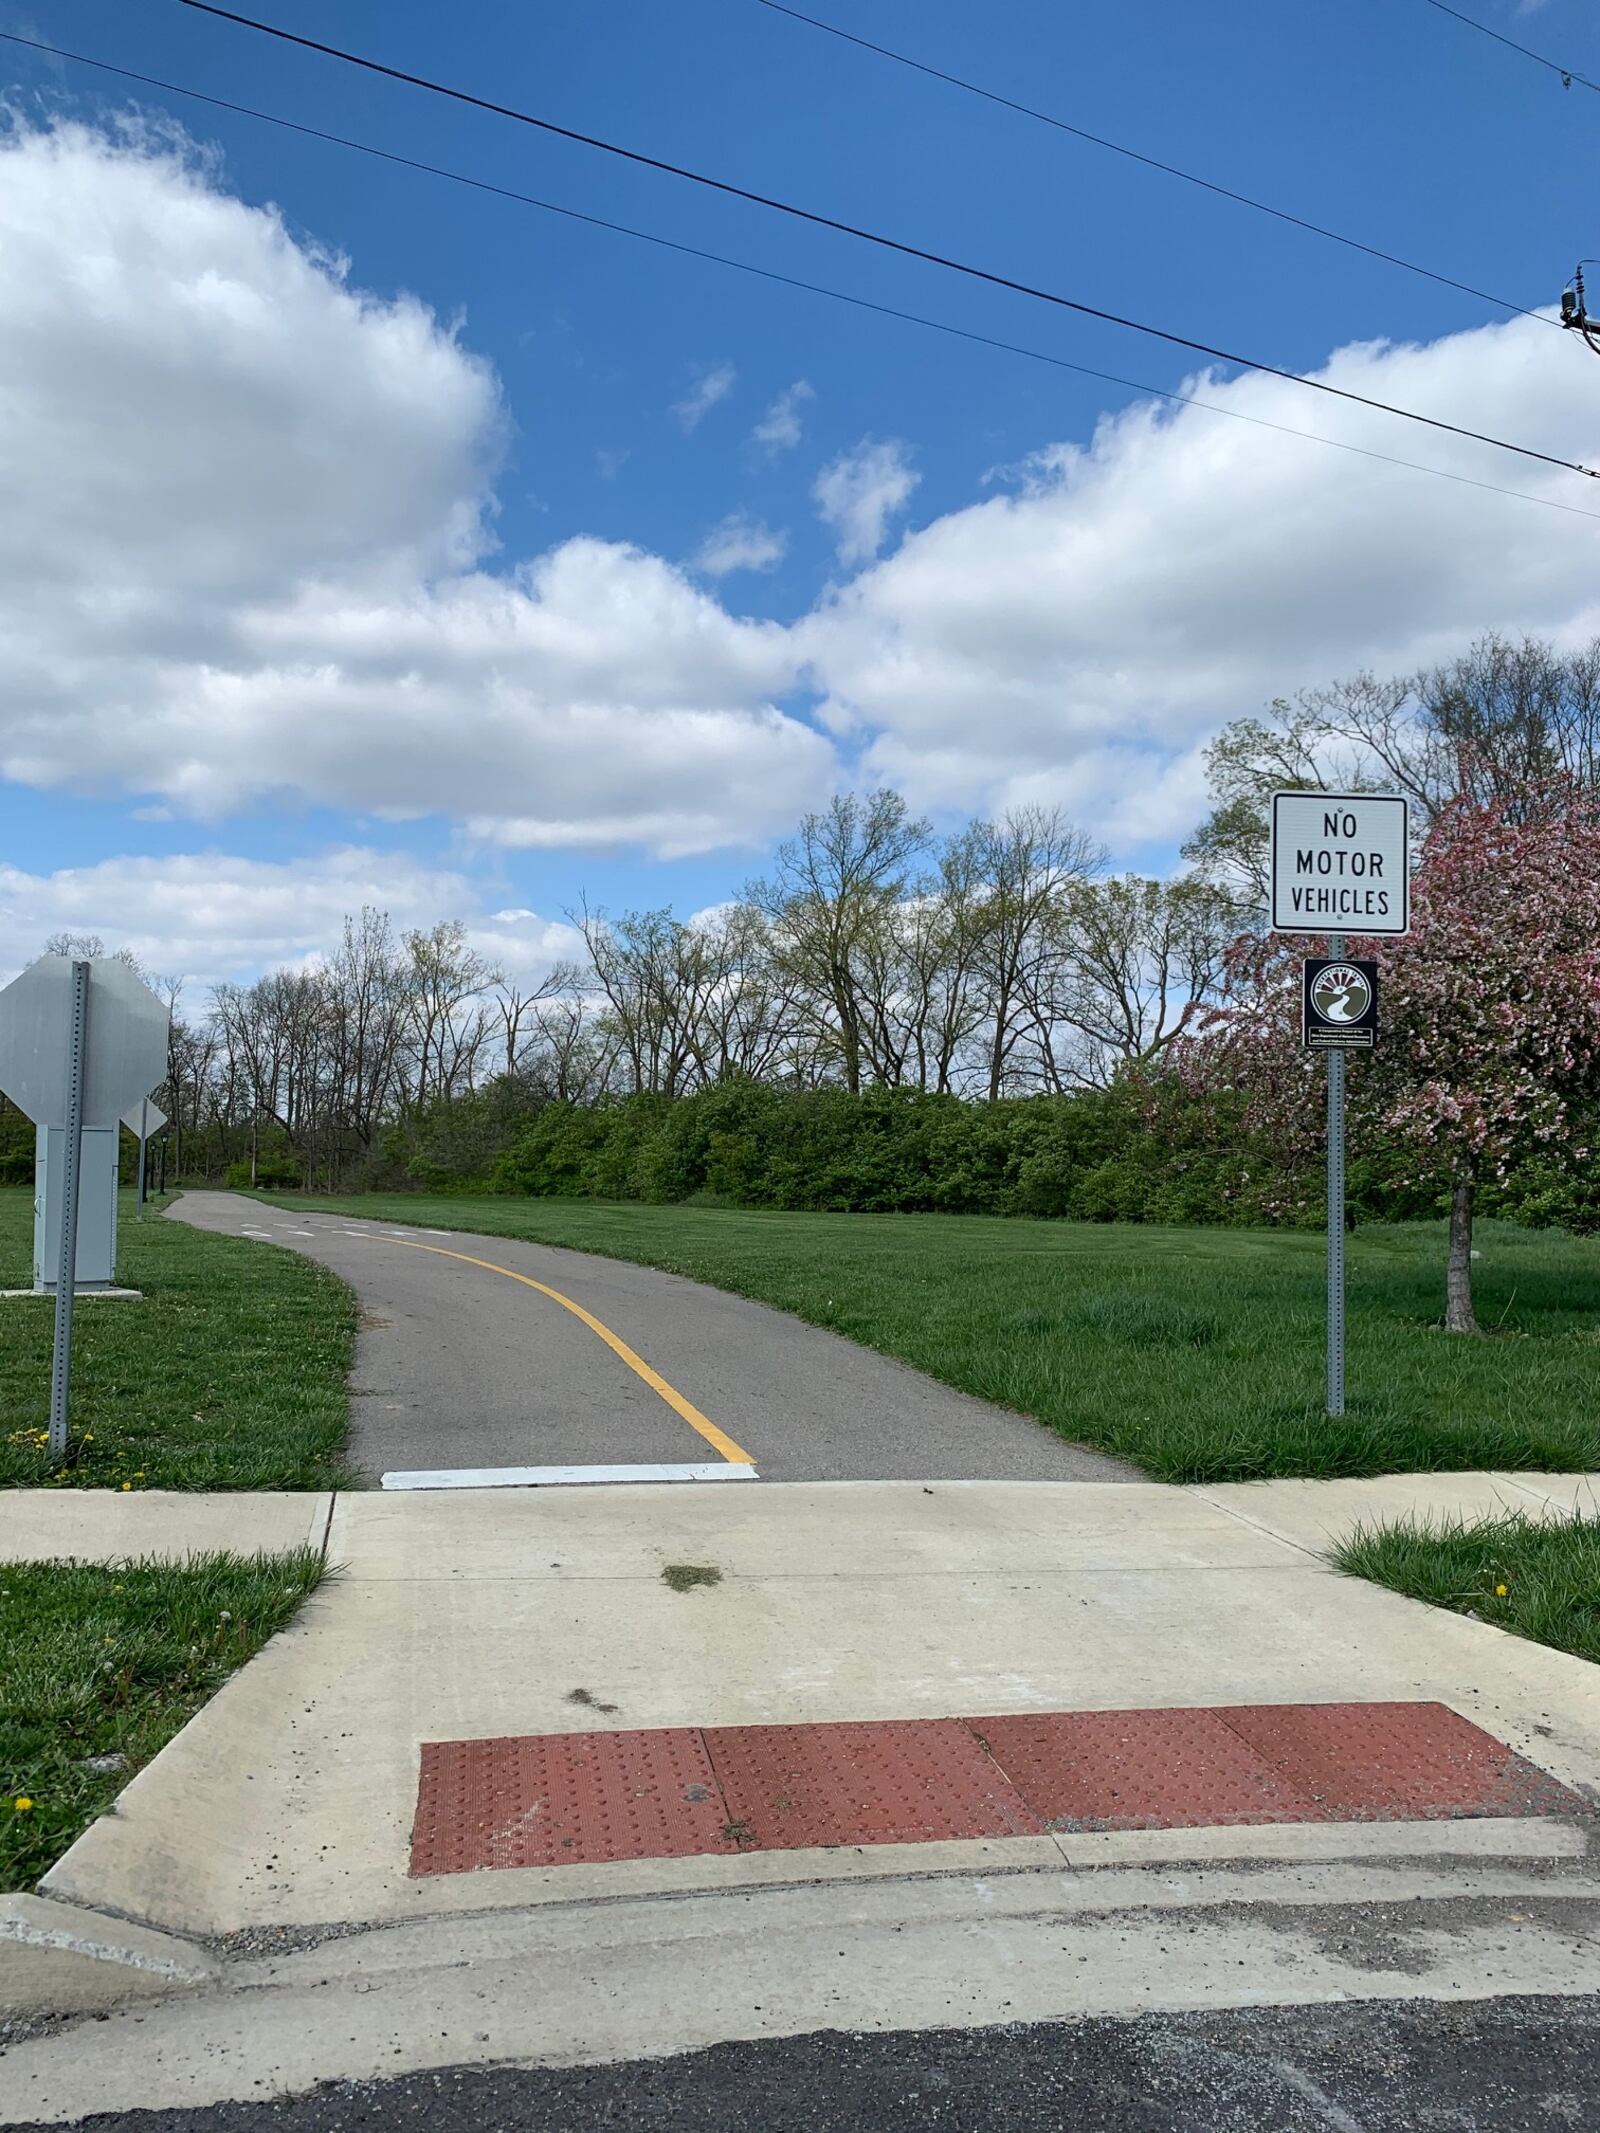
[(1495, 2066), (458, 1366)]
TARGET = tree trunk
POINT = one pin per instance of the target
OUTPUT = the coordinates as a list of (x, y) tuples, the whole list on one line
[(1458, 1316)]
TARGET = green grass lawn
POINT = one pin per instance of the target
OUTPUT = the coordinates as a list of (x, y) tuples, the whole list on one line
[(1538, 1581), (229, 1375), (1196, 1353), (100, 1666)]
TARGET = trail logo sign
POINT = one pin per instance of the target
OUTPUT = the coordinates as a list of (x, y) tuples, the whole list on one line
[(1341, 863), (1340, 1005)]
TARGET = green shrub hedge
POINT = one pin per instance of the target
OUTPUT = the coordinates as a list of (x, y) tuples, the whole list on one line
[(1133, 1153), (1149, 1149), (273, 1172), (17, 1141)]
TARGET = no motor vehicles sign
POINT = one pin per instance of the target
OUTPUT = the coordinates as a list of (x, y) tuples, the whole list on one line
[(1341, 863)]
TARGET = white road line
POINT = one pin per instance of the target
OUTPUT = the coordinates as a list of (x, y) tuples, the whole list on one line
[(288, 1232), (560, 1477), (438, 1232)]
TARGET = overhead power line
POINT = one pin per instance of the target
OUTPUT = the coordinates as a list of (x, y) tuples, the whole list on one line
[(888, 244), (1569, 75), (772, 274), (1136, 155)]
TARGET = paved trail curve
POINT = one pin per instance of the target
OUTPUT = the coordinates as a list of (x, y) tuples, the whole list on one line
[(481, 1354)]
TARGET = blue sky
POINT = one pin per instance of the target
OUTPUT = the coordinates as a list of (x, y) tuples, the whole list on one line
[(1383, 118)]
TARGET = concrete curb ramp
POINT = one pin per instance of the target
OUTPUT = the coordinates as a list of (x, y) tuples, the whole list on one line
[(286, 1804), (58, 1957)]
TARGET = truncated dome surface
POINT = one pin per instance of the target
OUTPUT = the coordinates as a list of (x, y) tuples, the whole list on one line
[(587, 1798)]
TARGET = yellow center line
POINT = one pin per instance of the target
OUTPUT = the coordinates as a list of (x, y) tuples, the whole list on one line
[(718, 1440)]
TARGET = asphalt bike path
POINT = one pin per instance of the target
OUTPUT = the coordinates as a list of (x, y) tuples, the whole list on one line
[(486, 1355)]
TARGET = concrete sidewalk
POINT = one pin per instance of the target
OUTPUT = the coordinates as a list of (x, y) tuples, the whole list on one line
[(466, 1616), (270, 1839), (106, 1526)]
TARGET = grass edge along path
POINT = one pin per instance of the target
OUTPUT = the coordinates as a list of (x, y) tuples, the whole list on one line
[(230, 1373), (1534, 1577), (102, 1664), (1196, 1354)]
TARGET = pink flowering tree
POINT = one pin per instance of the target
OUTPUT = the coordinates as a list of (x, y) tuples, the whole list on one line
[(1489, 1016)]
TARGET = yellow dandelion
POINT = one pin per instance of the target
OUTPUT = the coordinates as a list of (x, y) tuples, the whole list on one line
[(126, 1486), (1500, 1591), (23, 1804)]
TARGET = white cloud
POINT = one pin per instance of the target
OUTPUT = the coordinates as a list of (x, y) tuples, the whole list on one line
[(1085, 634), (206, 916), (858, 493), (247, 554), (780, 427), (610, 460), (522, 945), (712, 386), (739, 542), (245, 536)]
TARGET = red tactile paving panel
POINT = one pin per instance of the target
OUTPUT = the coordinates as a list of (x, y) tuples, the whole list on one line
[(566, 1799), (902, 1781), (1396, 1762), (582, 1798), (1085, 1770)]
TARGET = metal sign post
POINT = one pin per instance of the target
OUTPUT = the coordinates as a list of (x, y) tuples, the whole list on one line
[(1338, 1014), (143, 1119), (66, 1272), (1339, 857), (1336, 1214)]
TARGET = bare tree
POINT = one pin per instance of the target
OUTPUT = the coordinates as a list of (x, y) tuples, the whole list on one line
[(834, 889), (516, 1002), (91, 947), (445, 980), (1504, 724), (1035, 861), (567, 1058), (1143, 957), (368, 1007), (747, 1014)]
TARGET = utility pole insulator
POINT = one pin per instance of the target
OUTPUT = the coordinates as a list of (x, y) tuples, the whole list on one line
[(1575, 310)]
